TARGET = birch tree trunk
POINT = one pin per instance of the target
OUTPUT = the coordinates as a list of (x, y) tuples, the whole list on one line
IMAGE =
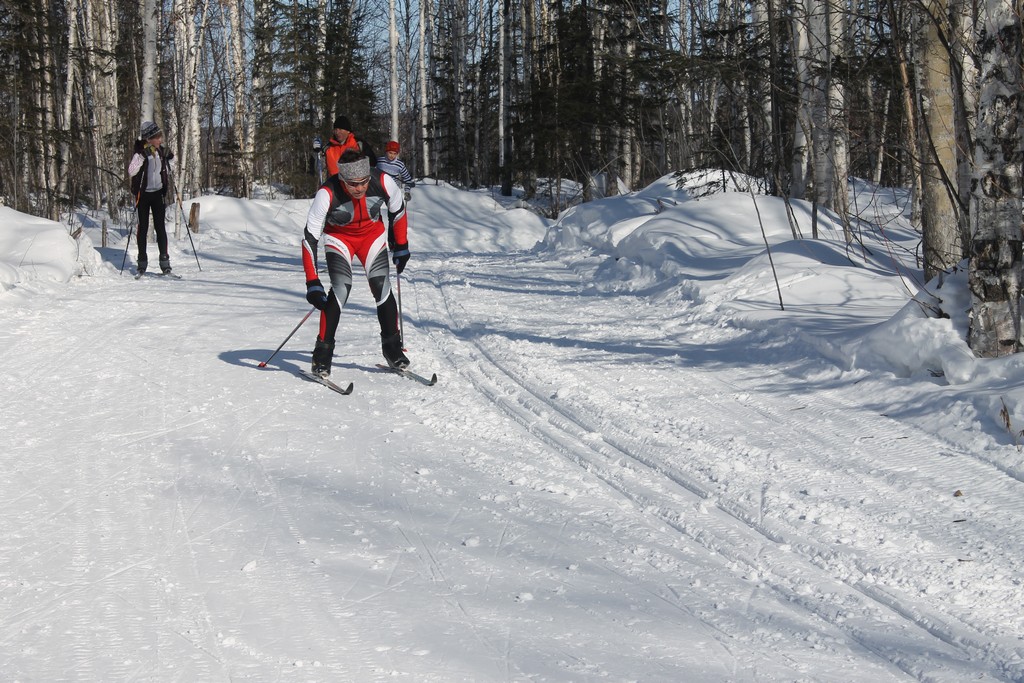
[(963, 20), (51, 97), (504, 71), (995, 269), (821, 148), (601, 138), (322, 9), (805, 100), (45, 168), (531, 79), (190, 23), (70, 86), (909, 112), (473, 156), (393, 40), (687, 47), (876, 173), (244, 131), (109, 132), (262, 38), (412, 104), (148, 87), (628, 139), (830, 152), (425, 54), (839, 126), (943, 244), (459, 51)]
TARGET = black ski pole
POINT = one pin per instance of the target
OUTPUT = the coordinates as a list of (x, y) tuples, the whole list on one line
[(126, 245), (177, 197), (129, 241), (188, 232), (398, 296), (264, 363)]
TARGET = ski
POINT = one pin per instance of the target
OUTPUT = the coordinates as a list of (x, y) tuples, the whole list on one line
[(411, 375), (344, 391), (173, 276)]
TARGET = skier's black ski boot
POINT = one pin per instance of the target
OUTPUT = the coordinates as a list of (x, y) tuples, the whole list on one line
[(323, 354), (140, 268), (165, 265), (391, 346)]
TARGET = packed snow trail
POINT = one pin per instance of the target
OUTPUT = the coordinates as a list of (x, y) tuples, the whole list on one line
[(594, 490), (813, 469)]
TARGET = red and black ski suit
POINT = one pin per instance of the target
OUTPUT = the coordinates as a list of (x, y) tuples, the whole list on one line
[(355, 228)]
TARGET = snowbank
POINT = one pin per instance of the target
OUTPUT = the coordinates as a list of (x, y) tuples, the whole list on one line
[(38, 250)]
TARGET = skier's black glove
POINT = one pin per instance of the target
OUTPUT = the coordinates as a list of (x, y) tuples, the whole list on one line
[(315, 294), (400, 256), (407, 196)]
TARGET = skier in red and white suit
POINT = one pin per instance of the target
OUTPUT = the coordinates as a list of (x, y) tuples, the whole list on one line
[(348, 213)]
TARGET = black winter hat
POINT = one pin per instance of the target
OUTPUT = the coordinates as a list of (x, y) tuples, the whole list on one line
[(342, 122)]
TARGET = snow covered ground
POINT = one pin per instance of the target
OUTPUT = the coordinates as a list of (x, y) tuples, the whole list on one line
[(636, 465)]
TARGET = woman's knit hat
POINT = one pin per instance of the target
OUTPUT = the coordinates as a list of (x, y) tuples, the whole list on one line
[(149, 130)]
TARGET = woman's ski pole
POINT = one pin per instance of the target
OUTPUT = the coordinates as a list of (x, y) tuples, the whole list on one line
[(126, 244), (129, 240), (189, 233), (398, 296), (185, 220), (264, 363)]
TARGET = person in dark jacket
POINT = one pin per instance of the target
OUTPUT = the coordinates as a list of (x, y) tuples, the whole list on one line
[(148, 170), (342, 140)]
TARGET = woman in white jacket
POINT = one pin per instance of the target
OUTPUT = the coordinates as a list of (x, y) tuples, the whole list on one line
[(148, 171)]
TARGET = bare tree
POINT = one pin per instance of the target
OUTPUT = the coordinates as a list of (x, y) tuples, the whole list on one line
[(802, 138), (425, 68), (395, 74), (996, 268), (830, 132), (109, 132), (944, 242), (964, 74), (150, 28), (243, 131), (505, 67), (190, 19)]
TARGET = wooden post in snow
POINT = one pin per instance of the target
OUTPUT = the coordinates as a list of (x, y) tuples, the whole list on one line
[(193, 218)]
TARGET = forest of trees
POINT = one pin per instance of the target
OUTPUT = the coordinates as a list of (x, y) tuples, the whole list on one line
[(800, 95)]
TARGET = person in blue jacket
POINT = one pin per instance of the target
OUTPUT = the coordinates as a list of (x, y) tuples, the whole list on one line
[(395, 167)]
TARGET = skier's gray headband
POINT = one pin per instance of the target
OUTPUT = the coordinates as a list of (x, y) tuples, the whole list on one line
[(358, 170)]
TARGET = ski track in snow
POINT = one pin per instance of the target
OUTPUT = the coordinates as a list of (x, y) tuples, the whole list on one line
[(583, 473), (811, 566)]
